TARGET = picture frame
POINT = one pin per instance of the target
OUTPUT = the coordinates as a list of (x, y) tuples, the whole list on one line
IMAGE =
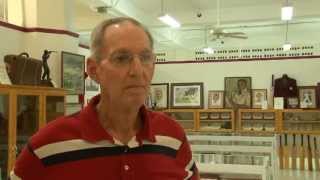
[(215, 99), (237, 92), (307, 96), (292, 102), (186, 95), (258, 97), (72, 69), (159, 96), (91, 85)]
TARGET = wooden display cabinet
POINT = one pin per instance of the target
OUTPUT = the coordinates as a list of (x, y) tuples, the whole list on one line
[(300, 121), (23, 110), (216, 120), (258, 120), (185, 117)]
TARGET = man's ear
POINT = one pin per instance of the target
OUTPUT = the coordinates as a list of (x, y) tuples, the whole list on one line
[(92, 66)]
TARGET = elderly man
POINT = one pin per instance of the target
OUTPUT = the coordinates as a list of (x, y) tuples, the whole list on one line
[(115, 136)]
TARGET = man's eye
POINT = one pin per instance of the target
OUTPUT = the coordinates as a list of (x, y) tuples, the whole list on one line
[(146, 58), (121, 58)]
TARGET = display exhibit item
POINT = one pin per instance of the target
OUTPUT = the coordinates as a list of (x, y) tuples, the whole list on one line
[(292, 103), (285, 87), (259, 96), (237, 92), (23, 70), (307, 97), (159, 96), (186, 95), (215, 99)]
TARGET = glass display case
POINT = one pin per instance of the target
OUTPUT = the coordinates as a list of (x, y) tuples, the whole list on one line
[(4, 120), (23, 110), (257, 120), (301, 121), (185, 117), (216, 120)]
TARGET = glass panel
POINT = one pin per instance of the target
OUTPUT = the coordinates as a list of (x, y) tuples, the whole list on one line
[(27, 119), (302, 121), (185, 119), (4, 116), (215, 121), (54, 107)]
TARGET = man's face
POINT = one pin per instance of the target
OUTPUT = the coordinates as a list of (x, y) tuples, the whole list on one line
[(126, 70)]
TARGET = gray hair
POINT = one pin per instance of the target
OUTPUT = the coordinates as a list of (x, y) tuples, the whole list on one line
[(97, 35)]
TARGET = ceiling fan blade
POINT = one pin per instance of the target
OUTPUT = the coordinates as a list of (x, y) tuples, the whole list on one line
[(237, 36)]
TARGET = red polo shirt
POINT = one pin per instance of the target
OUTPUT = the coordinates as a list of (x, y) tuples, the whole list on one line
[(77, 147)]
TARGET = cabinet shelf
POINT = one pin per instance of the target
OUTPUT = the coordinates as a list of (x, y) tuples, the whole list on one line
[(24, 109)]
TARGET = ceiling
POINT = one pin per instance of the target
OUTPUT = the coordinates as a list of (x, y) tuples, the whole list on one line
[(258, 19)]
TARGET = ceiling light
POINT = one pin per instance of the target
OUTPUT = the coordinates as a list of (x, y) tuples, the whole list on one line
[(286, 46), (208, 50), (170, 21), (286, 12)]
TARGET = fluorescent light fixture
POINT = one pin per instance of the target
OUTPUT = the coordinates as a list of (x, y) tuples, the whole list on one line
[(286, 46), (167, 19), (208, 50), (286, 13)]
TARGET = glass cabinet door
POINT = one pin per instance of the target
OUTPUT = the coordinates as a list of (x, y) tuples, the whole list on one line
[(54, 107), (4, 120), (27, 119)]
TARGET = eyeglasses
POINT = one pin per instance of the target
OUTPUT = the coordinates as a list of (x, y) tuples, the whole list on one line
[(124, 57)]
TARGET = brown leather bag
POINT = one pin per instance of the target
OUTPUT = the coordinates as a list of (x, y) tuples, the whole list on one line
[(23, 70)]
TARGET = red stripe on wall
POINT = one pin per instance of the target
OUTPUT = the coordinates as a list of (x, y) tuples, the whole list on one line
[(38, 29)]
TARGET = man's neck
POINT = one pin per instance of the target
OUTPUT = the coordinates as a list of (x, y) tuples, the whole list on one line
[(121, 123)]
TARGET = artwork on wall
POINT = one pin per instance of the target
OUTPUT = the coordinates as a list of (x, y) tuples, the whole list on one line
[(259, 96), (72, 72), (91, 85), (187, 95), (237, 92), (307, 96), (215, 99), (159, 96)]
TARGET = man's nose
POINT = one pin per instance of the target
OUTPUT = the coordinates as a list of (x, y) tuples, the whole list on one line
[(136, 67)]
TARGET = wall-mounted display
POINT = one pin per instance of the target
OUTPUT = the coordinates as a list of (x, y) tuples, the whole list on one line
[(258, 97), (186, 95), (215, 99), (159, 95), (307, 97), (237, 92), (72, 72)]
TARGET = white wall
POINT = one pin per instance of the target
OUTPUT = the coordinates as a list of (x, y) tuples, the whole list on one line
[(306, 72)]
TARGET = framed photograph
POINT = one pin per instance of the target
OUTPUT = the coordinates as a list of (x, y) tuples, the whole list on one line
[(307, 96), (186, 95), (91, 85), (215, 99), (258, 97), (159, 96), (237, 92), (72, 72), (292, 102)]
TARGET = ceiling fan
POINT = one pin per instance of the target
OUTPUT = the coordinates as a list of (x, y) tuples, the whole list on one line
[(218, 32)]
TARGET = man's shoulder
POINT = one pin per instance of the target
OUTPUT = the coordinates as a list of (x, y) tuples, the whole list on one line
[(163, 124), (60, 129)]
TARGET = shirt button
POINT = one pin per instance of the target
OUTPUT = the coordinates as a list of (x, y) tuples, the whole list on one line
[(126, 167)]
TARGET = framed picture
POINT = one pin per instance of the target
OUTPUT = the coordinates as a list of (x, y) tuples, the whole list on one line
[(215, 99), (72, 72), (187, 95), (237, 92), (307, 96), (91, 85), (159, 96), (258, 97), (292, 102)]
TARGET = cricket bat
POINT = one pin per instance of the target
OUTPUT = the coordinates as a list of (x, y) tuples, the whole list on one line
[(280, 152), (286, 152), (309, 154), (316, 154), (301, 154), (294, 153)]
